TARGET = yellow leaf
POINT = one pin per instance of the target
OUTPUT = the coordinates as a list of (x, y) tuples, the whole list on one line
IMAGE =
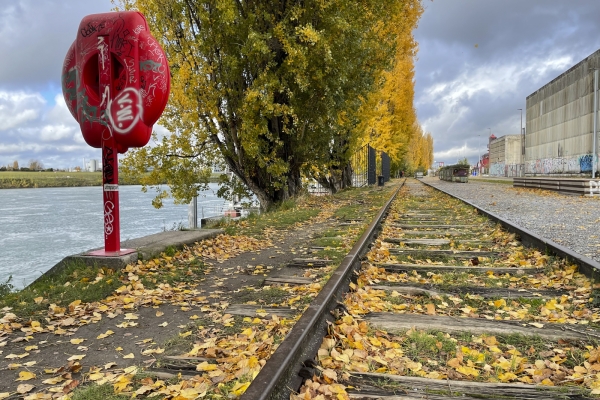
[(76, 357), (130, 355), (160, 314), (109, 365), (506, 376), (240, 388), (77, 341), (38, 300), (29, 348), (164, 324), (536, 324), (499, 303), (53, 381), (25, 376), (375, 342), (96, 376), (205, 366), (75, 303), (190, 393), (468, 371), (4, 395), (430, 308), (454, 363), (185, 334), (104, 335)]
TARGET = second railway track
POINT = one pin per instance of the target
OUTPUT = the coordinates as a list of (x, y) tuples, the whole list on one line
[(445, 304)]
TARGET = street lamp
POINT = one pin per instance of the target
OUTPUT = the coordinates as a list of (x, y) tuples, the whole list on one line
[(522, 144), (479, 154)]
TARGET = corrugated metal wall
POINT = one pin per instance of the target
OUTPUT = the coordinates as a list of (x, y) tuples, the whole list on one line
[(559, 122)]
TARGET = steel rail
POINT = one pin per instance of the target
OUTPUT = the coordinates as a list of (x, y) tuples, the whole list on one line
[(587, 266), (279, 376)]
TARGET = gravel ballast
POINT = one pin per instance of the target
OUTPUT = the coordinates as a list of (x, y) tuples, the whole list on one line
[(572, 221)]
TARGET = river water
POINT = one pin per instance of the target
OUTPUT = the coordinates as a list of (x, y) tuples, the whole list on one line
[(39, 227)]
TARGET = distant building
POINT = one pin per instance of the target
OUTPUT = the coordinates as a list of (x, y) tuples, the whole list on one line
[(93, 166), (505, 156), (559, 123)]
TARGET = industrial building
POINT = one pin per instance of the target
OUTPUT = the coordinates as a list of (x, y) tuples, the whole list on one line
[(560, 129), (505, 156)]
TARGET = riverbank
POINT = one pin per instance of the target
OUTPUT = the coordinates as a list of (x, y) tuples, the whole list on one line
[(47, 179)]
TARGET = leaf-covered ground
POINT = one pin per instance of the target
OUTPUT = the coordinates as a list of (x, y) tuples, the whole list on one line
[(161, 327)]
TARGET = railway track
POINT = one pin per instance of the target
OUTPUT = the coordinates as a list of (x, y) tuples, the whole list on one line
[(438, 301)]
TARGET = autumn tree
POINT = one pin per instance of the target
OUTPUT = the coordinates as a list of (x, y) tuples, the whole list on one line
[(387, 115), (419, 155), (15, 165), (35, 165), (266, 84)]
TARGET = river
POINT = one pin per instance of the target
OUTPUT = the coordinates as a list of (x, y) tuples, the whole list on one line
[(39, 227)]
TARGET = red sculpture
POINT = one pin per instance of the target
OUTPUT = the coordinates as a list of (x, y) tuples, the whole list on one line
[(116, 83)]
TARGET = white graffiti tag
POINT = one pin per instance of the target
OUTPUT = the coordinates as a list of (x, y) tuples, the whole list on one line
[(109, 218), (125, 111), (102, 50)]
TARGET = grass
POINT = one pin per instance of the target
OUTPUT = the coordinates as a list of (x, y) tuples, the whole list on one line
[(76, 281), (187, 271), (283, 217), (95, 392)]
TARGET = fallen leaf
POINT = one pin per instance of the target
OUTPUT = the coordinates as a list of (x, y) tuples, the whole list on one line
[(25, 376), (24, 388), (130, 355)]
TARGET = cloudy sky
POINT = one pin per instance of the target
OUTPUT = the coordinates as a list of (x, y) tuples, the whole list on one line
[(478, 60)]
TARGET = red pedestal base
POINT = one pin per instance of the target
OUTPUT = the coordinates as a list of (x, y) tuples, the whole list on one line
[(104, 253)]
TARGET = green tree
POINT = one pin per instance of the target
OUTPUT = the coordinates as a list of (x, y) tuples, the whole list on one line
[(265, 85)]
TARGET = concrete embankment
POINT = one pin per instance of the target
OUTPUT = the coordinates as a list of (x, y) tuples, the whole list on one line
[(145, 247)]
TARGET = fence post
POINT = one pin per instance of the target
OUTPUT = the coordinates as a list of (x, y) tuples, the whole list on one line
[(372, 167), (385, 166), (193, 213)]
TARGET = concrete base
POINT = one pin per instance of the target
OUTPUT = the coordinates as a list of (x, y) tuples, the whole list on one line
[(143, 248)]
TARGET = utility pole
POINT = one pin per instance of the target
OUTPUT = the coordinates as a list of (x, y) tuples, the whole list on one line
[(522, 144)]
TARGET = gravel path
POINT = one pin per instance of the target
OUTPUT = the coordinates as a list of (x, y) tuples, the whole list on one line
[(572, 221)]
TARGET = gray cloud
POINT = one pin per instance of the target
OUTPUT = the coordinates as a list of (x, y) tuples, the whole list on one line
[(36, 35), (479, 59)]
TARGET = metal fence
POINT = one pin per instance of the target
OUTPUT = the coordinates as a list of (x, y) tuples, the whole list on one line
[(367, 164), (360, 167)]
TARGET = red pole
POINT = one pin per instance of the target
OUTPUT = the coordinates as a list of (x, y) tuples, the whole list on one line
[(110, 161), (110, 189)]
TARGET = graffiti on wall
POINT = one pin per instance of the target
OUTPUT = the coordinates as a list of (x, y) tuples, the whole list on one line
[(560, 165), (585, 163), (497, 169)]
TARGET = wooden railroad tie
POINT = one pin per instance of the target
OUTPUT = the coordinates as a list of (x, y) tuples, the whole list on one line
[(289, 280), (308, 263), (477, 326), (445, 253), (485, 292), (246, 310), (457, 268), (411, 387)]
